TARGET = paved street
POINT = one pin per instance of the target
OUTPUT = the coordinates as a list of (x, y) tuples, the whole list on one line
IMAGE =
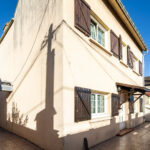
[(139, 139), (10, 141)]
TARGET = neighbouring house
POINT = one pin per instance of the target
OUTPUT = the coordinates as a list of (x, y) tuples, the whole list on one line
[(75, 68), (147, 99)]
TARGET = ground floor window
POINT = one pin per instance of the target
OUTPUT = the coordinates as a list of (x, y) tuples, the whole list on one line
[(98, 105)]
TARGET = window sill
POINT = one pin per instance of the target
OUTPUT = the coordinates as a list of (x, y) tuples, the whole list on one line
[(100, 119), (136, 73), (147, 106), (123, 63), (103, 48)]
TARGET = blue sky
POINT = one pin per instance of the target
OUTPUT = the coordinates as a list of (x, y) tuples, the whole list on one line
[(137, 9), (7, 9)]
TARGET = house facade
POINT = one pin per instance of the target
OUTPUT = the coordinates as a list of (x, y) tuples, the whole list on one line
[(147, 98), (76, 68)]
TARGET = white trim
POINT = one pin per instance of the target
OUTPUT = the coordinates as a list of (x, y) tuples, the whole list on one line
[(99, 115), (124, 54), (135, 64)]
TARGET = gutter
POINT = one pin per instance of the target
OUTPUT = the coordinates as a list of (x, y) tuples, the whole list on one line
[(124, 16), (131, 22), (5, 32)]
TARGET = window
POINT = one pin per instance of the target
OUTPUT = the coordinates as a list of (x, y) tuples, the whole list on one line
[(124, 52), (93, 30), (98, 32), (98, 105), (135, 68)]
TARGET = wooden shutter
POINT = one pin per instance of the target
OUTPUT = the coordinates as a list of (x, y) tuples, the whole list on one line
[(131, 108), (120, 47), (129, 57), (140, 68), (141, 105), (114, 44), (82, 16), (82, 104), (115, 102)]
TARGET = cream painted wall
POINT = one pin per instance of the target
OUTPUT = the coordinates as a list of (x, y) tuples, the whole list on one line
[(87, 65), (30, 58)]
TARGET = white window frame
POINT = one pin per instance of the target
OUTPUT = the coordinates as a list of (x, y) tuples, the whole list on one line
[(96, 114), (135, 64), (124, 54), (98, 25)]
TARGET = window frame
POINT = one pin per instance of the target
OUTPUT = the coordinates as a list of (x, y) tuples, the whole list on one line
[(124, 53), (135, 64), (99, 25), (96, 114)]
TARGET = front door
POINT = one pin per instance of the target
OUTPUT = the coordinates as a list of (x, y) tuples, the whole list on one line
[(122, 117)]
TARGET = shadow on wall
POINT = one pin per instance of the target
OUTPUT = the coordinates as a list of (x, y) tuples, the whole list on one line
[(45, 119), (16, 122), (16, 117)]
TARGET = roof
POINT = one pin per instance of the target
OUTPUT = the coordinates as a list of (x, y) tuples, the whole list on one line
[(124, 16)]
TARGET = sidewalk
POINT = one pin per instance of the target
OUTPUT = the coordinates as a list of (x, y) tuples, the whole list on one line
[(9, 141), (139, 139)]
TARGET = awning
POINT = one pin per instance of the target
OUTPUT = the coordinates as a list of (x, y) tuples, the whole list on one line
[(133, 90), (129, 87)]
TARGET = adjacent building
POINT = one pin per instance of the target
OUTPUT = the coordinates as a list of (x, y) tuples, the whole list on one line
[(76, 67)]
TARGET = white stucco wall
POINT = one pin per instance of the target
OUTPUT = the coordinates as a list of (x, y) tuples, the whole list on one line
[(30, 58), (87, 65)]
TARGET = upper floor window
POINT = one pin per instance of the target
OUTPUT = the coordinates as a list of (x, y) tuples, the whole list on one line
[(98, 32), (98, 105), (135, 64), (124, 54)]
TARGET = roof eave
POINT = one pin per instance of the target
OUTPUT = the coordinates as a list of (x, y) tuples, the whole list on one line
[(124, 16)]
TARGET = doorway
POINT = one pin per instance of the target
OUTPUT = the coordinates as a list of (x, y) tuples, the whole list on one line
[(122, 117)]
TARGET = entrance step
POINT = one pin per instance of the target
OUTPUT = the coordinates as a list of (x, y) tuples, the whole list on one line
[(124, 131)]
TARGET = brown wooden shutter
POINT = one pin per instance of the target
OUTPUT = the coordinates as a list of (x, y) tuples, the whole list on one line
[(129, 57), (114, 44), (141, 105), (82, 104), (115, 102), (120, 47), (131, 108), (82, 16), (140, 68)]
